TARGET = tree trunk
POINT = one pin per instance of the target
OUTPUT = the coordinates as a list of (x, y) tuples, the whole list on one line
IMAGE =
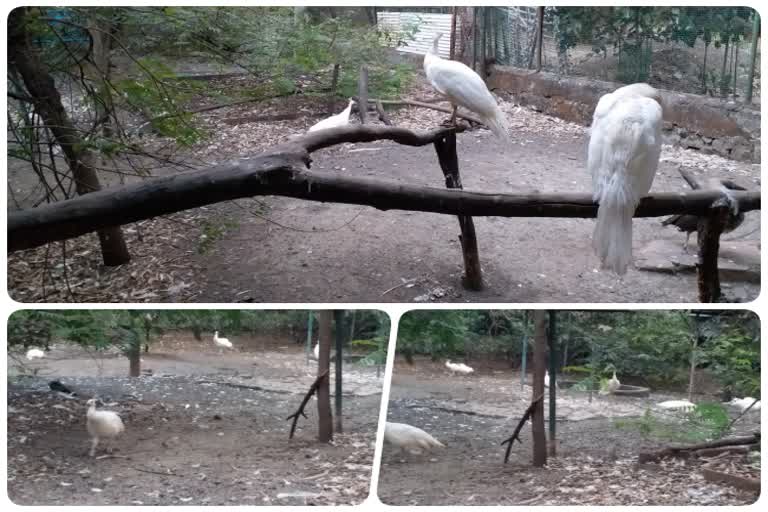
[(325, 420), (42, 88), (752, 57), (466, 35), (724, 71), (704, 70), (101, 28), (134, 358), (540, 43), (539, 368)]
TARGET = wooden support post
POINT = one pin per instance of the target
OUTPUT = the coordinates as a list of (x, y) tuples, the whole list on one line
[(362, 94), (709, 230), (334, 85), (449, 163)]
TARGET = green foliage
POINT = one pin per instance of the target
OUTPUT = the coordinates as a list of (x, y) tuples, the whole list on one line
[(654, 345), (706, 422), (629, 31), (438, 333), (733, 355), (27, 328)]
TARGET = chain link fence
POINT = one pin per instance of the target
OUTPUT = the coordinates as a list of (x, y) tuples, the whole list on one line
[(712, 51)]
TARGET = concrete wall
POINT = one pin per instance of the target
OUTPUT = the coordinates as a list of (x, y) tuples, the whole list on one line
[(711, 125)]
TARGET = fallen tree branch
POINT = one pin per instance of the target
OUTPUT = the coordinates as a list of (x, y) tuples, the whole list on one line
[(686, 451), (740, 482), (300, 411), (283, 172)]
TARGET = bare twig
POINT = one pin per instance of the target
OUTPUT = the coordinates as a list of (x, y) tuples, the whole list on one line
[(300, 412)]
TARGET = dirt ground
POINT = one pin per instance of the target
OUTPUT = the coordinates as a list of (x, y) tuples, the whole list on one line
[(596, 462), (275, 249), (202, 429)]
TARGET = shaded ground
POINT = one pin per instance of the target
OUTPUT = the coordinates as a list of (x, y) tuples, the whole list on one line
[(285, 250), (204, 429), (596, 461)]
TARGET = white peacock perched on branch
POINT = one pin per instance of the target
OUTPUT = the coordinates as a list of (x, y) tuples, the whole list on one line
[(463, 87), (624, 150)]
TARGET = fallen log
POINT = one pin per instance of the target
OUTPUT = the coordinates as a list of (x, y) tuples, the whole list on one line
[(740, 482), (685, 452)]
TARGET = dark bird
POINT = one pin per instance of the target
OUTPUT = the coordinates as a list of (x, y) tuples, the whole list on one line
[(61, 389), (689, 223)]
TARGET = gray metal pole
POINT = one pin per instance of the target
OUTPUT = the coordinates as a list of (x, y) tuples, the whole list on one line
[(338, 320), (308, 348), (551, 338)]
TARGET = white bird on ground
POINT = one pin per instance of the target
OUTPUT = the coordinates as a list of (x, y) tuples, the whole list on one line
[(743, 403), (623, 154), (613, 384), (221, 342), (316, 350), (466, 370), (678, 405), (464, 87), (335, 121), (101, 425), (458, 368), (408, 438), (546, 380), (35, 353)]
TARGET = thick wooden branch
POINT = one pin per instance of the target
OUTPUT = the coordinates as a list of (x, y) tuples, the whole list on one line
[(320, 139), (285, 174), (300, 410)]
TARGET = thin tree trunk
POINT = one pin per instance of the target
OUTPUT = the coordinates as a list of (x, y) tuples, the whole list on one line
[(42, 88), (704, 71), (325, 419), (692, 373), (540, 45), (752, 57), (134, 358), (453, 33), (539, 368), (735, 61), (723, 82)]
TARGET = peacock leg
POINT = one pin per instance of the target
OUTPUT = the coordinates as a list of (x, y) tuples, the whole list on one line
[(453, 116), (94, 443), (685, 245)]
